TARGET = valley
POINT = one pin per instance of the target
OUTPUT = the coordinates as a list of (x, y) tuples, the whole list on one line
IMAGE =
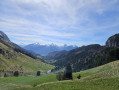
[(98, 67), (59, 44)]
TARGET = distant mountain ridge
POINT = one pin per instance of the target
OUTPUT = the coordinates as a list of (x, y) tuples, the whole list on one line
[(45, 49)]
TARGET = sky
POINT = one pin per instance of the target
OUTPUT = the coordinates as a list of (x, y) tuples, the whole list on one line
[(72, 22)]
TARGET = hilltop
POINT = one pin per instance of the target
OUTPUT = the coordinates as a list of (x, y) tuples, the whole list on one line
[(4, 36)]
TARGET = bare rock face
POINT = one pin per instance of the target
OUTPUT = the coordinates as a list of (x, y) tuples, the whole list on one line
[(4, 36), (113, 41)]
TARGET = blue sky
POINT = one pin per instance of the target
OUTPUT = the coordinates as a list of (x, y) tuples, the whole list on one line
[(74, 22)]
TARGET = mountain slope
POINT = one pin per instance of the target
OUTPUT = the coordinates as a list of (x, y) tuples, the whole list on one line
[(105, 77), (90, 56), (84, 57), (12, 58), (53, 55)]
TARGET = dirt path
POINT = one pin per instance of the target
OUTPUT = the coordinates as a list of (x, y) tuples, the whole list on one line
[(53, 83), (39, 85)]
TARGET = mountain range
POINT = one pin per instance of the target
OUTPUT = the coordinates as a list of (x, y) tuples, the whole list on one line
[(13, 57), (45, 49)]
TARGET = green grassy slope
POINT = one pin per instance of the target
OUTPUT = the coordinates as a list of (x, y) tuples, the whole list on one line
[(11, 83), (104, 77), (10, 60)]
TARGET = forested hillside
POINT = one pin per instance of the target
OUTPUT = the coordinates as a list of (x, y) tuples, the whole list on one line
[(90, 56)]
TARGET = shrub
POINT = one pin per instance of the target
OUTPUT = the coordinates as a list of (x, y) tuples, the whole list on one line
[(60, 76), (79, 76), (35, 84), (16, 73), (5, 75), (38, 73)]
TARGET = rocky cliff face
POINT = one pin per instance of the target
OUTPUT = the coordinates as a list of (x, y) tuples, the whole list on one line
[(4, 36), (113, 41)]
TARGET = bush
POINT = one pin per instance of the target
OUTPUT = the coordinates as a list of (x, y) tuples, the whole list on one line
[(79, 76), (60, 76), (16, 73), (35, 84), (5, 75), (38, 73)]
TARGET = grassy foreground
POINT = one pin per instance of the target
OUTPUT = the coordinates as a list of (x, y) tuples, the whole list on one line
[(105, 77), (10, 83)]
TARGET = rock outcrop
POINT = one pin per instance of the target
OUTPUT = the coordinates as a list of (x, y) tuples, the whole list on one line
[(4, 36), (113, 41)]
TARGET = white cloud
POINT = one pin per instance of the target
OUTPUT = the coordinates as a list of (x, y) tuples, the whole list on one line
[(22, 25), (64, 19)]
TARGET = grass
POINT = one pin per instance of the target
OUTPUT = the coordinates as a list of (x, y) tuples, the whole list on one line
[(28, 64), (11, 61), (101, 84), (105, 77), (10, 83)]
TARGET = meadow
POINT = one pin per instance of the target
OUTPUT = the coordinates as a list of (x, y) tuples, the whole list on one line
[(105, 77)]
